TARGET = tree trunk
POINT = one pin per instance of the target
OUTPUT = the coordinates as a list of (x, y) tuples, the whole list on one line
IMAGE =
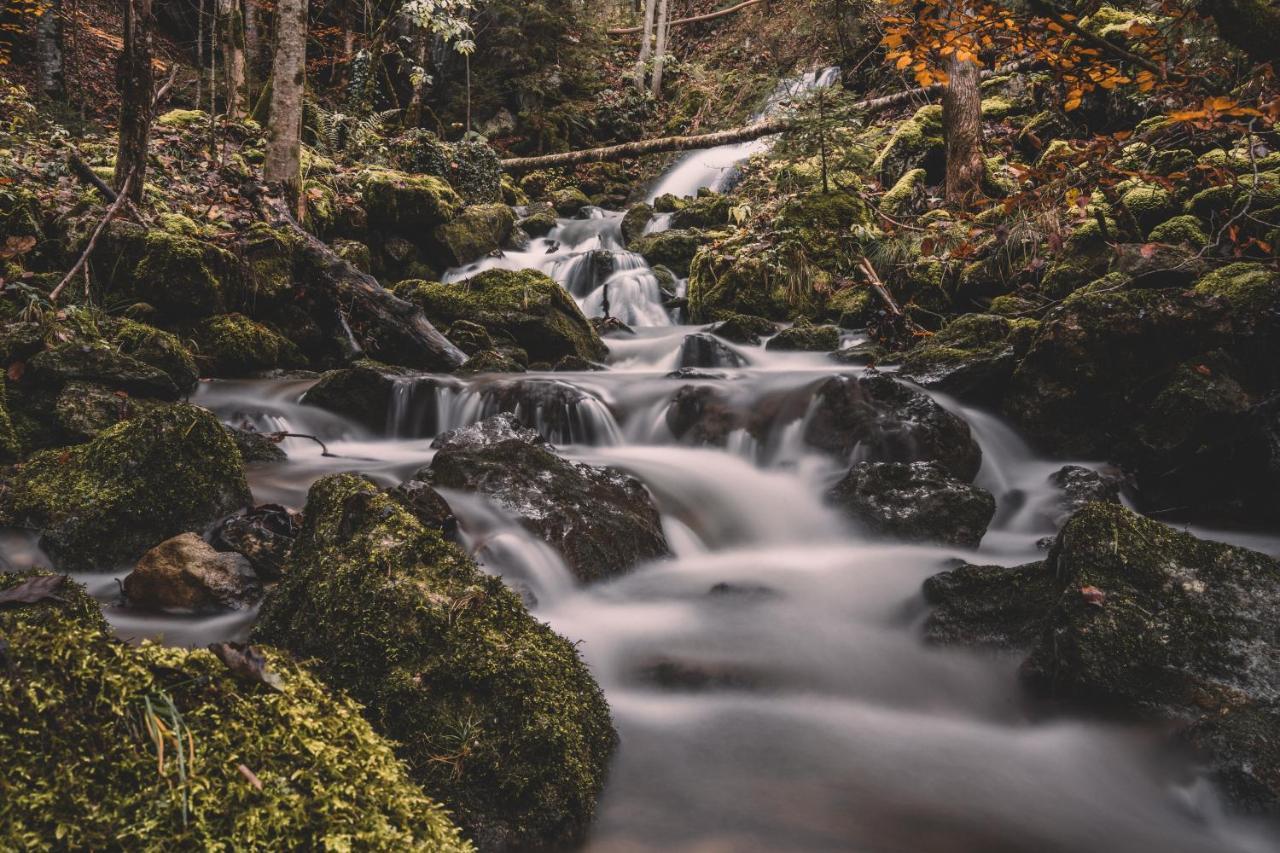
[(137, 85), (660, 52), (233, 57), (646, 43), (1251, 25), (252, 46), (288, 76), (962, 129), (49, 51)]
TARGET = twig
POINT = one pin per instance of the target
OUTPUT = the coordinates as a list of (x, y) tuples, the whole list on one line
[(1059, 16), (680, 22), (280, 436), (121, 197), (873, 279)]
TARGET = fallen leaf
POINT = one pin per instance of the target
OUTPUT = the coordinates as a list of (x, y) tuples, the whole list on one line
[(1093, 595), (34, 589), (246, 663), (1203, 370), (15, 246), (16, 370), (251, 776)]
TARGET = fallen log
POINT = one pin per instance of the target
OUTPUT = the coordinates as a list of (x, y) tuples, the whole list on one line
[(768, 127), (679, 22), (384, 325)]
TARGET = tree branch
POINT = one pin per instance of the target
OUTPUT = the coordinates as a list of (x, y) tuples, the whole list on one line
[(679, 22)]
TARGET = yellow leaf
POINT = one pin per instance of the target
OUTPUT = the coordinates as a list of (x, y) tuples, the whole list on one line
[(903, 62)]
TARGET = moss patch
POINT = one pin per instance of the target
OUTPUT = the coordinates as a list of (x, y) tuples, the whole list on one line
[(234, 345)]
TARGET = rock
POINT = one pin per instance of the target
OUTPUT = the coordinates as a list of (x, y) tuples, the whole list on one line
[(915, 143), (743, 329), (184, 278), (601, 520), (361, 393), (232, 345), (428, 506), (256, 447), (989, 606), (1081, 486), (558, 410), (901, 199), (470, 166), (703, 415), (917, 502), (1149, 205), (493, 712), (263, 535), (71, 733), (159, 349), (409, 205), (83, 409), (805, 337), (186, 573), (1182, 230), (478, 231), (490, 361), (607, 326), (99, 363), (634, 222), (735, 282), (539, 220), (711, 210), (135, 485), (673, 249), (574, 364), (703, 350), (1158, 265), (888, 421), (527, 306), (862, 354), (973, 357), (568, 201)]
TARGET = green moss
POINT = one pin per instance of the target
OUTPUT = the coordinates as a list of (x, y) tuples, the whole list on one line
[(321, 207), (97, 361), (477, 231), (19, 212), (898, 200), (361, 392), (634, 222), (525, 306), (1058, 149), (1247, 285), (268, 255), (997, 180), (996, 108), (707, 210), (408, 204), (10, 444), (910, 144), (1112, 22), (174, 273), (568, 201), (183, 118), (135, 485), (82, 410), (806, 337), (851, 307), (1185, 230), (81, 772), (729, 282), (1149, 205), (673, 249), (234, 345), (493, 712), (149, 345)]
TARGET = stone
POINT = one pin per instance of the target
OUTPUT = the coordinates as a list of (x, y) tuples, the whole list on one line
[(916, 502), (185, 573)]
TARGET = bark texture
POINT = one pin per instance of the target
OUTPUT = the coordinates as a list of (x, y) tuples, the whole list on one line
[(1251, 25), (137, 84), (660, 52), (49, 51), (288, 73), (962, 128), (646, 43), (233, 61)]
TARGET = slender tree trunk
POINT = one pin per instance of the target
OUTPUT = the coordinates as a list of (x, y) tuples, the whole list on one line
[(962, 129), (646, 42), (49, 51), (137, 87), (288, 77), (233, 57), (660, 52), (199, 51), (252, 47)]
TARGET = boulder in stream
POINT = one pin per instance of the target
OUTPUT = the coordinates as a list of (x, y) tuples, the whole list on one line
[(293, 766), (602, 521), (264, 535), (744, 329), (703, 350), (138, 483), (186, 573), (805, 337), (916, 501), (495, 714), (888, 421)]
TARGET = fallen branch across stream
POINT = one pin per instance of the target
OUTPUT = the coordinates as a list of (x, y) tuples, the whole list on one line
[(768, 127)]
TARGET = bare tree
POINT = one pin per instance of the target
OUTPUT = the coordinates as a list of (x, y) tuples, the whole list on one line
[(49, 51), (962, 129), (137, 85), (660, 52), (646, 43), (233, 64), (288, 77)]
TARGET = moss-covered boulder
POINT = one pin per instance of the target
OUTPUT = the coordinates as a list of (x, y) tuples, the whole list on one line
[(728, 281), (362, 392), (233, 345), (525, 306), (904, 195), (974, 355), (917, 502), (160, 349), (1182, 230), (494, 713), (539, 220), (915, 143), (82, 410), (411, 205), (568, 201), (673, 249), (470, 166), (270, 255), (184, 278), (743, 329), (707, 210), (805, 337), (98, 362), (244, 766), (602, 521), (474, 233), (634, 221), (138, 483)]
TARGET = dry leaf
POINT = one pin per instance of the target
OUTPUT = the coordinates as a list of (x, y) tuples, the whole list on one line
[(246, 663), (33, 590)]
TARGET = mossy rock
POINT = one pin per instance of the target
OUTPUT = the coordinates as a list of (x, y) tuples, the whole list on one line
[(269, 256), (492, 361), (822, 223), (10, 443), (634, 221), (915, 143), (82, 410), (805, 337), (1248, 285), (361, 392), (355, 253), (412, 205), (743, 328), (974, 356), (852, 307), (539, 220), (479, 230), (232, 345), (730, 282), (709, 210), (19, 212), (160, 349), (320, 208), (901, 197), (1150, 205), (915, 502), (182, 277), (183, 119), (80, 772), (135, 485), (99, 362), (673, 249), (471, 167), (1180, 230), (495, 714), (568, 201), (525, 306)]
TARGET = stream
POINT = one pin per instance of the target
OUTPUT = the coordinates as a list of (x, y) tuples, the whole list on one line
[(769, 682)]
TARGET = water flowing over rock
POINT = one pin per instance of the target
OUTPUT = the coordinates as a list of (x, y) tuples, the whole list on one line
[(186, 573), (703, 350), (916, 502), (601, 520), (878, 419)]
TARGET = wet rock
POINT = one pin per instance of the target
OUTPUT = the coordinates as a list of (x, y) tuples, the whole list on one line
[(186, 573), (703, 415), (973, 357), (427, 505), (683, 674), (99, 363), (558, 410), (82, 409), (256, 447), (989, 606), (805, 337), (606, 326), (634, 222), (526, 306), (703, 350), (861, 354), (539, 220), (362, 392), (887, 421), (263, 535), (232, 345), (673, 249), (917, 502), (744, 329), (568, 201), (470, 337), (742, 591), (135, 485), (478, 231), (695, 373), (54, 717), (1081, 486), (490, 361), (574, 364), (601, 520), (479, 696)]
